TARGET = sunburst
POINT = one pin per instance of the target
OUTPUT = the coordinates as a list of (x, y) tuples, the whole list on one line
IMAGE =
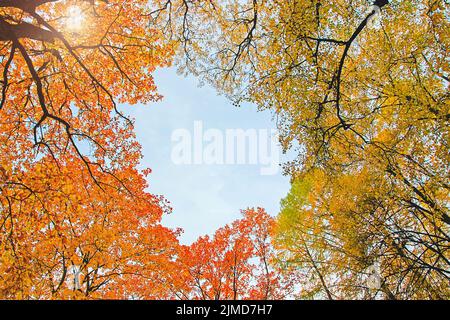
[(75, 18)]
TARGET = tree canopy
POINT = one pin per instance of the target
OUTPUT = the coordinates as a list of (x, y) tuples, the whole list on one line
[(360, 89), (74, 212)]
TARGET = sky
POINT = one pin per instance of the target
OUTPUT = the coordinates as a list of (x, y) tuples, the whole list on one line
[(203, 197)]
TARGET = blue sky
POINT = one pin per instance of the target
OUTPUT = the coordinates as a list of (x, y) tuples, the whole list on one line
[(203, 197)]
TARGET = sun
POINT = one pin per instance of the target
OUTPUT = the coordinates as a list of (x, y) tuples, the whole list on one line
[(75, 18)]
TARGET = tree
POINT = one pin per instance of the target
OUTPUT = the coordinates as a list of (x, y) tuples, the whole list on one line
[(64, 65), (365, 248), (361, 89), (63, 237), (236, 263), (75, 219)]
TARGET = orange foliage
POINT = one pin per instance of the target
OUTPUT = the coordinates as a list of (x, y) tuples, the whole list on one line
[(236, 263), (75, 220)]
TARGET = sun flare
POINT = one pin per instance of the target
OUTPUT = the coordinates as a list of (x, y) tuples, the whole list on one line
[(75, 18)]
